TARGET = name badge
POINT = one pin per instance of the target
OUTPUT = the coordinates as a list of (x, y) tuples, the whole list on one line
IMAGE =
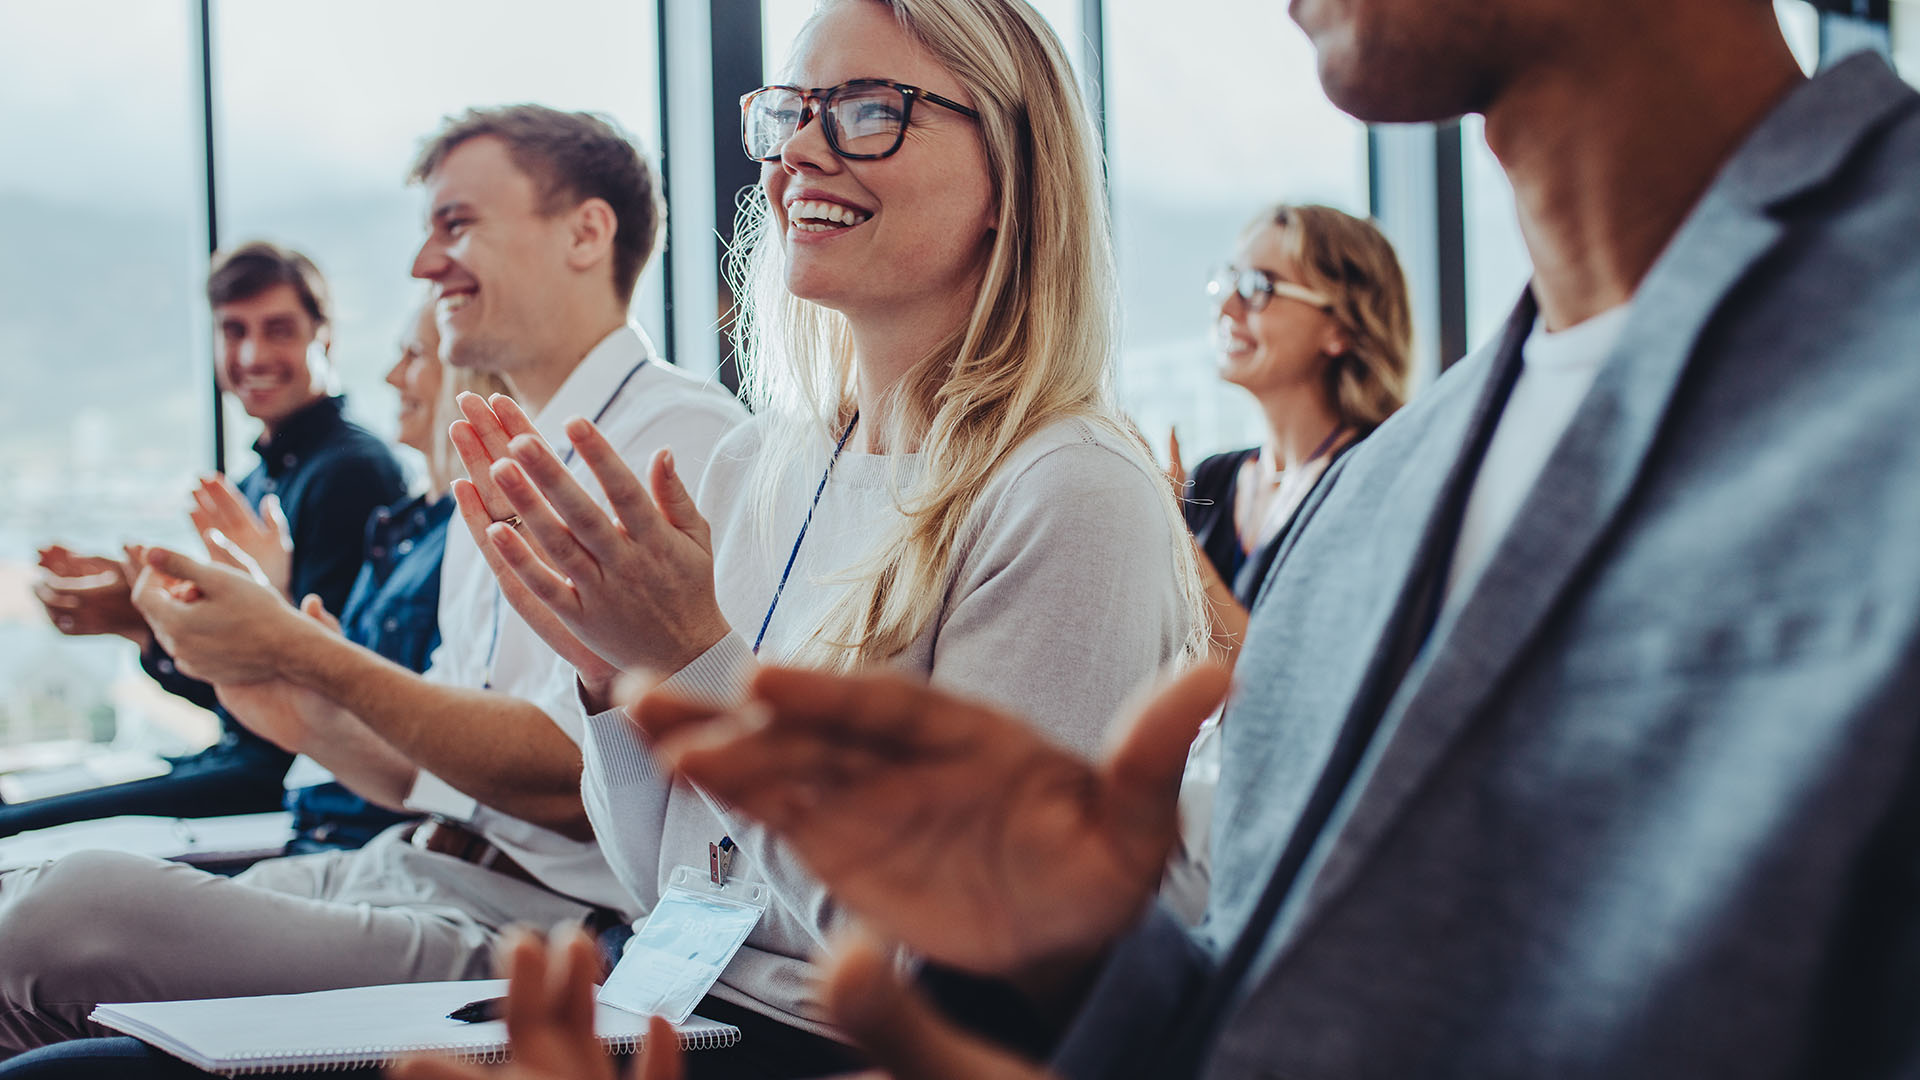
[(680, 950)]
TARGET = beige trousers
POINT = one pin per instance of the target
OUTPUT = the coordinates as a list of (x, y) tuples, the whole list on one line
[(101, 926)]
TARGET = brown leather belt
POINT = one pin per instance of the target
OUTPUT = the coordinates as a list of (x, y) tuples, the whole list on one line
[(450, 838)]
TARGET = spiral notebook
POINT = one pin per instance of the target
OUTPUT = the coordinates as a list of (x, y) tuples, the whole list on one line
[(360, 1026)]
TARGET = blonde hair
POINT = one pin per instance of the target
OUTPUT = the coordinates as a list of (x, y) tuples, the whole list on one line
[(1351, 262), (1036, 348)]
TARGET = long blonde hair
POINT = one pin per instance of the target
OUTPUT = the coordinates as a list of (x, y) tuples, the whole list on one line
[(1037, 347)]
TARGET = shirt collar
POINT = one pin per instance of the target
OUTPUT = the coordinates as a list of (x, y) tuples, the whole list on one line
[(593, 382), (301, 432)]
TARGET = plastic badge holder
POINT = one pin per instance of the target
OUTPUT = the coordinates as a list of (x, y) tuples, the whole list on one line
[(679, 952)]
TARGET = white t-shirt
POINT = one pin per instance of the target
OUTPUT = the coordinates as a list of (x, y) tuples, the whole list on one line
[(1558, 370), (659, 406)]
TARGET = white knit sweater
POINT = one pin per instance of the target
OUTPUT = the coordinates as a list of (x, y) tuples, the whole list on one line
[(1061, 601)]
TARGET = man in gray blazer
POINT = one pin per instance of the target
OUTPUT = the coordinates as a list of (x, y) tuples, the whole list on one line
[(1578, 730)]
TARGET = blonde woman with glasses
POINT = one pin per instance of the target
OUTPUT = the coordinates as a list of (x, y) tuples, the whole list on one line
[(1313, 320), (937, 479)]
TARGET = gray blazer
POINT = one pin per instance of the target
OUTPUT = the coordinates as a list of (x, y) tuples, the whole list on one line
[(1648, 805)]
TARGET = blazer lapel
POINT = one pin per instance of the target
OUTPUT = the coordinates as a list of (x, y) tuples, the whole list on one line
[(1592, 471), (1579, 495), (1585, 483)]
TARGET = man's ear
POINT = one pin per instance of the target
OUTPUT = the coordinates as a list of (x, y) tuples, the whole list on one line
[(591, 227)]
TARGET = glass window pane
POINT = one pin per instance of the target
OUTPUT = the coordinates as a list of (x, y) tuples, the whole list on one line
[(1906, 38), (322, 107), (106, 419), (1211, 117), (1497, 263)]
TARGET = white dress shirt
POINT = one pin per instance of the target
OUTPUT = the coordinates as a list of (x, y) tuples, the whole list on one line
[(643, 404)]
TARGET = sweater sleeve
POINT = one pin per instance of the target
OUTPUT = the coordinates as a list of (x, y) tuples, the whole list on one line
[(1069, 600)]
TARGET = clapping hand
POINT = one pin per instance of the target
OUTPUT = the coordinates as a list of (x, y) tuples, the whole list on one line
[(945, 824), (261, 544), (88, 594), (219, 624), (632, 588), (279, 711), (481, 439)]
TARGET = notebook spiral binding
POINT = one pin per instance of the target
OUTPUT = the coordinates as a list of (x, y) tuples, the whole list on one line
[(370, 1057)]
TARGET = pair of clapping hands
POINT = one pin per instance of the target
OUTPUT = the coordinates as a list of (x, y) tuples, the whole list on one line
[(624, 587), (93, 594), (948, 826)]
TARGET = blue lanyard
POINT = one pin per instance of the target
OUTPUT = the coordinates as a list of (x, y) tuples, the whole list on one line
[(802, 538), (493, 644)]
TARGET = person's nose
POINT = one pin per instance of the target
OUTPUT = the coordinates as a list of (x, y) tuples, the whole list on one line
[(807, 150), (430, 262)]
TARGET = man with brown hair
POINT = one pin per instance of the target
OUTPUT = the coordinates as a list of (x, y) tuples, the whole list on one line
[(319, 474), (539, 222)]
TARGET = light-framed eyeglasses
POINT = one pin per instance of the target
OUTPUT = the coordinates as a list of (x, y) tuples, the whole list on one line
[(864, 119), (1256, 287)]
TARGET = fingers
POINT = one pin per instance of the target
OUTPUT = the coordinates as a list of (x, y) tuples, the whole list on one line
[(904, 1035), (513, 420), (475, 459), (479, 522), (480, 441), (563, 535), (574, 968), (1150, 758), (793, 712), (562, 495), (316, 609), (874, 706), (670, 494), (662, 1059), (225, 507), (222, 550), (484, 425), (630, 502), (523, 961), (276, 519), (179, 567), (473, 511), (226, 498), (658, 713), (548, 586)]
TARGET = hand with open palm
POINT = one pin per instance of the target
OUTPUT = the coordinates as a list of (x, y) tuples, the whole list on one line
[(943, 823)]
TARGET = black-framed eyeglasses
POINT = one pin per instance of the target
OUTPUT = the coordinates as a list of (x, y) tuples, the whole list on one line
[(1256, 287), (863, 118)]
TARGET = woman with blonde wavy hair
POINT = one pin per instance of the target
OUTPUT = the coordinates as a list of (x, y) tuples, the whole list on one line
[(1313, 320), (937, 479)]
